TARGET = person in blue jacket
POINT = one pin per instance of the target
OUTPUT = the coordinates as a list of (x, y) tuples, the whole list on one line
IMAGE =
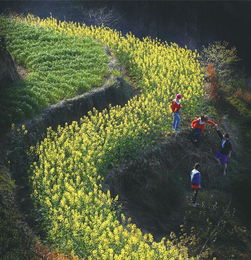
[(196, 183)]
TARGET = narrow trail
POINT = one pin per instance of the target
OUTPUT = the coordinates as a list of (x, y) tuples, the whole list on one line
[(146, 191)]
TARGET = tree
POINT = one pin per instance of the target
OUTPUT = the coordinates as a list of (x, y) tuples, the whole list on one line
[(222, 57), (103, 16)]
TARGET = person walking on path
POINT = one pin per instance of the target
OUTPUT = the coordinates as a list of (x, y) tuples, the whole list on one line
[(176, 106), (223, 155), (198, 125), (196, 183)]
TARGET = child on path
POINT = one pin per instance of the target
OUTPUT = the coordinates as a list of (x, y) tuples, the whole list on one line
[(196, 183), (199, 125), (176, 106), (223, 155)]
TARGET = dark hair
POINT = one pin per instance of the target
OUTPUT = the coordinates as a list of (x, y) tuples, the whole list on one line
[(196, 166), (226, 135), (204, 118)]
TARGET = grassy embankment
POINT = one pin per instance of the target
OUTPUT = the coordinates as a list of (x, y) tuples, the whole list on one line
[(236, 99), (15, 240)]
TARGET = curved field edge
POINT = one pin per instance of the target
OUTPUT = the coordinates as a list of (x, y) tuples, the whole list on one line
[(72, 162), (59, 66)]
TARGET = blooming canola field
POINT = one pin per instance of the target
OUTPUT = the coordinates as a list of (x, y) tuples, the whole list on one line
[(79, 217)]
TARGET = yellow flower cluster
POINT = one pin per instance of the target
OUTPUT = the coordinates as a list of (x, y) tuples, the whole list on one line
[(67, 179)]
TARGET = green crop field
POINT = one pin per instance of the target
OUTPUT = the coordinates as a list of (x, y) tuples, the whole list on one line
[(58, 66)]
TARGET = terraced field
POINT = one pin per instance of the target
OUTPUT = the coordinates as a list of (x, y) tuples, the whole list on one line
[(59, 67), (78, 215)]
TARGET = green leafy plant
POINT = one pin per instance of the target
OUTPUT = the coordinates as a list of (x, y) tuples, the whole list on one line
[(222, 56), (59, 66)]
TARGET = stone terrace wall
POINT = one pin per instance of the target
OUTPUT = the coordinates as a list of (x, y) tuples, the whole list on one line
[(8, 72), (118, 93)]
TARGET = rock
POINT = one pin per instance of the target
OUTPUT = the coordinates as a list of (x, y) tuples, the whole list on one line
[(8, 72)]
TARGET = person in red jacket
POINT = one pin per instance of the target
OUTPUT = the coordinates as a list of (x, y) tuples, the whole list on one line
[(175, 107), (199, 125)]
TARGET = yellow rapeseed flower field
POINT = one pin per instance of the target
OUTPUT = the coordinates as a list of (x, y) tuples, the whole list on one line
[(78, 215)]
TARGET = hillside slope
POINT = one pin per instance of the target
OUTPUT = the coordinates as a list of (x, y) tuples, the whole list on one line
[(69, 165)]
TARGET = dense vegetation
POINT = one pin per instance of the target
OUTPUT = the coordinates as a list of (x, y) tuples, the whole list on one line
[(58, 66), (78, 215), (14, 238)]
